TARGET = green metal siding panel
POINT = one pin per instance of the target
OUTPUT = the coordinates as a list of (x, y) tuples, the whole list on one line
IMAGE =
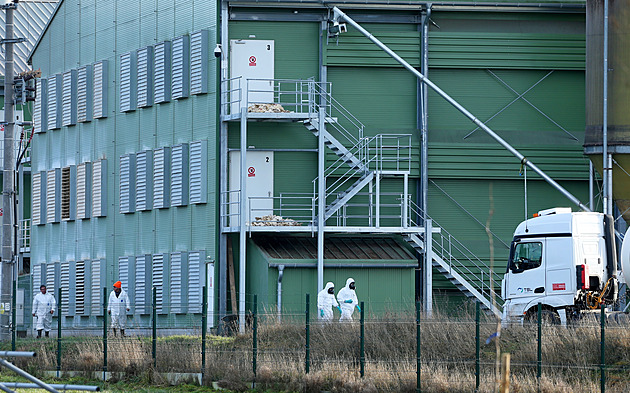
[(355, 50), (273, 136), (294, 172), (507, 50)]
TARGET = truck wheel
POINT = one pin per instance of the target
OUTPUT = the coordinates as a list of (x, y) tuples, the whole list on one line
[(548, 318)]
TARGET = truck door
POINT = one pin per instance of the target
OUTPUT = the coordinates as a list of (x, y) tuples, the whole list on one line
[(526, 269)]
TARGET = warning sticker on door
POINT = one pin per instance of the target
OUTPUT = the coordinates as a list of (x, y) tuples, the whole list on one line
[(251, 172), (252, 61), (559, 287)]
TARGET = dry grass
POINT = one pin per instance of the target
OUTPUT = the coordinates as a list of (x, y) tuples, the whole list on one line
[(571, 356)]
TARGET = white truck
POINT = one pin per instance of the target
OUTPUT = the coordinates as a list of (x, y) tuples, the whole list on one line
[(567, 261)]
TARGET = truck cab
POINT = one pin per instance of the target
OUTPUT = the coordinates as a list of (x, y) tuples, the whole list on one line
[(564, 260)]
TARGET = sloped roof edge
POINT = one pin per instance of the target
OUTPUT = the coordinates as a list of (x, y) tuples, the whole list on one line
[(30, 56)]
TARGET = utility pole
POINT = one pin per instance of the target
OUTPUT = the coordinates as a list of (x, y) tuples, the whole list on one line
[(8, 191)]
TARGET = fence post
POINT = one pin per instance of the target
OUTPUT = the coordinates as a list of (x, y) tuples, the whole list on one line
[(255, 338), (602, 366), (477, 349), (13, 316), (362, 354), (104, 333), (59, 333), (539, 361), (204, 328), (418, 365), (154, 329), (307, 357)]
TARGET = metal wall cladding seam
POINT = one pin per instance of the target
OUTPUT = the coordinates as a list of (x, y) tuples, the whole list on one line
[(84, 93), (145, 77), (196, 280), (162, 72), (180, 67), (54, 102), (144, 183), (199, 62), (161, 177), (36, 198), (198, 172), (507, 50), (40, 106), (354, 50), (100, 70), (127, 183), (294, 172), (80, 288), (128, 82), (179, 175)]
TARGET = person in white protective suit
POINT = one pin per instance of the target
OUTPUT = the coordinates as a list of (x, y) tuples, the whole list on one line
[(118, 304), (43, 308), (347, 298), (326, 301)]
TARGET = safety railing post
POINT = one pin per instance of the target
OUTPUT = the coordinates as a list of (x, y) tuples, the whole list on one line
[(13, 316), (255, 337), (59, 333), (362, 354), (477, 351), (539, 361), (154, 329), (418, 363), (307, 346), (104, 334), (602, 366), (204, 328)]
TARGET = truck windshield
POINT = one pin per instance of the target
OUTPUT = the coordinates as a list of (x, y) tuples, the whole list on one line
[(526, 256)]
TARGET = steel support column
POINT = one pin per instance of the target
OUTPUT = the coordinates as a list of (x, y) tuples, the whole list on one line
[(243, 210)]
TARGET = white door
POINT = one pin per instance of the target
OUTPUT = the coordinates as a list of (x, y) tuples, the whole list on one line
[(526, 276), (252, 60), (259, 184)]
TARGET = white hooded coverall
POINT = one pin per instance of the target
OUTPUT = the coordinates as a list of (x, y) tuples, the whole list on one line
[(118, 306), (43, 304), (326, 301), (347, 294)]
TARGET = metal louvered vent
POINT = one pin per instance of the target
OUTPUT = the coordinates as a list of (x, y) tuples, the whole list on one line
[(38, 280), (159, 281), (144, 184), (127, 82), (199, 62), (181, 67), (162, 72), (40, 118), (84, 93), (127, 274), (179, 175), (161, 178), (84, 196), (199, 171), (143, 278), (99, 106), (127, 180), (65, 193), (99, 188), (145, 77), (64, 282), (36, 204), (69, 98), (51, 270), (80, 288), (53, 180), (196, 280), (54, 102), (178, 284), (96, 299)]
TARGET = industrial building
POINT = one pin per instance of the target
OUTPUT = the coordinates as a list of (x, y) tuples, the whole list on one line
[(148, 113)]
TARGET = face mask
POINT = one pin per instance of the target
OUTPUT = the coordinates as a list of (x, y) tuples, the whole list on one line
[(351, 286), (331, 290)]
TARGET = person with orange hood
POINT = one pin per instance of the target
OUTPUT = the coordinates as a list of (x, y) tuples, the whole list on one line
[(118, 304)]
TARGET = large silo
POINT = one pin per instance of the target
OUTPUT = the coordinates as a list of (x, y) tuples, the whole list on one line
[(618, 93)]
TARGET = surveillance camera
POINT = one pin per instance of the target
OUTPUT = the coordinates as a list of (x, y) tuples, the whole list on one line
[(217, 51)]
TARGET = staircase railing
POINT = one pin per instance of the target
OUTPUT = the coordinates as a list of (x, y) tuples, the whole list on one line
[(461, 259)]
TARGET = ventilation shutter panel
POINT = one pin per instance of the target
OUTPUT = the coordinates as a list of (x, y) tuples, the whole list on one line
[(54, 102), (99, 188), (127, 180), (40, 120), (145, 77), (99, 106), (199, 172), (84, 93), (80, 288), (196, 280), (38, 278), (64, 281), (84, 197), (161, 178), (160, 282), (162, 72), (97, 278), (69, 98), (144, 184), (36, 204), (178, 285), (52, 278), (181, 67), (199, 62), (68, 193), (179, 175), (126, 274), (142, 281), (53, 205), (127, 82)]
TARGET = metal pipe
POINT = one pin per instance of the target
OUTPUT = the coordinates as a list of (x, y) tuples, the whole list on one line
[(280, 275), (605, 167), (321, 196), (424, 127), (338, 14), (591, 180), (24, 385), (28, 376), (15, 354), (242, 217), (5, 389)]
